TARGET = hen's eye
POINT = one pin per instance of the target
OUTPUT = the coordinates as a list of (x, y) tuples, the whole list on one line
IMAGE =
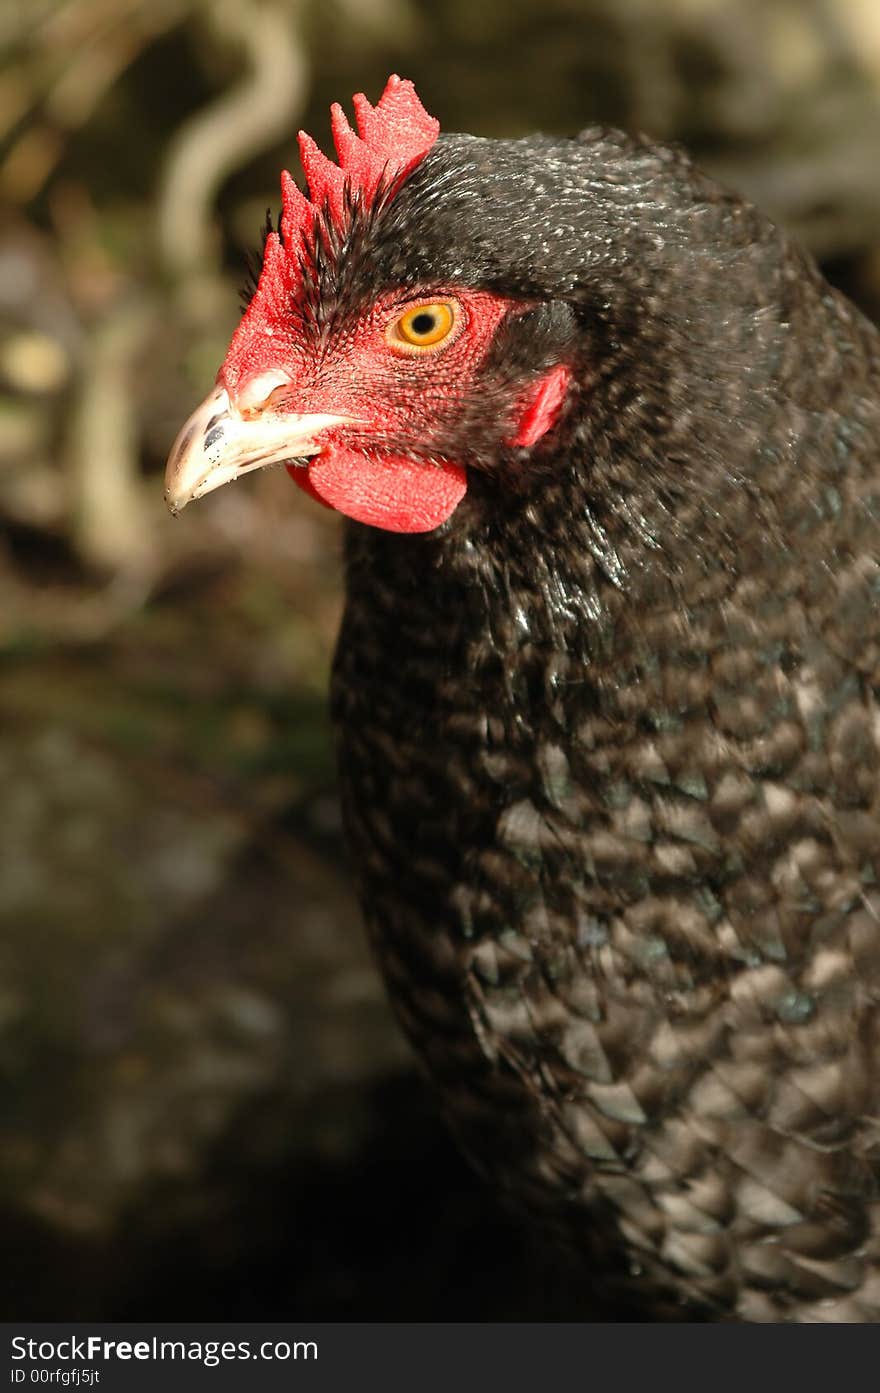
[(424, 326)]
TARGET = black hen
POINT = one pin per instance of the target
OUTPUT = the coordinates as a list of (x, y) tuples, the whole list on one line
[(606, 687)]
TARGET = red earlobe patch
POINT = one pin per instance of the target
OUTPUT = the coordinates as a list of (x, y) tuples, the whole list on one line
[(541, 407), (393, 492)]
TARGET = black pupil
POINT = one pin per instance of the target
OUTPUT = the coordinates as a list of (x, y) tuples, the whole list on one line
[(423, 323)]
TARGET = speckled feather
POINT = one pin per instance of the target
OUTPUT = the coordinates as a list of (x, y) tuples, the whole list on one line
[(609, 738)]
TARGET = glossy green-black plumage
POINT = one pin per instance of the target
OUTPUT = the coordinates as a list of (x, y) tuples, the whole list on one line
[(609, 738)]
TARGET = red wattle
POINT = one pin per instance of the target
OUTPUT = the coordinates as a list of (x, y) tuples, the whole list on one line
[(300, 475), (391, 491)]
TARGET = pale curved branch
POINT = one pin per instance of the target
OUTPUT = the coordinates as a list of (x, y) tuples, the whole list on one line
[(221, 138), (109, 526)]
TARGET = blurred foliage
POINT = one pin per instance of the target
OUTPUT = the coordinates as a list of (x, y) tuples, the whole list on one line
[(187, 1011)]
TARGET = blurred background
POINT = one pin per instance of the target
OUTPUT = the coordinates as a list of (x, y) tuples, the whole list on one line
[(206, 1110)]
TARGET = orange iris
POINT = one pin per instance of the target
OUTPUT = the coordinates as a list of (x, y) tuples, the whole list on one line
[(423, 326)]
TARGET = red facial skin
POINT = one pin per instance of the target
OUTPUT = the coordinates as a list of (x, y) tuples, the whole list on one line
[(398, 401), (397, 396)]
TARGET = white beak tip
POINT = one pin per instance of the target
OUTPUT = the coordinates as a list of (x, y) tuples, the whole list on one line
[(217, 445)]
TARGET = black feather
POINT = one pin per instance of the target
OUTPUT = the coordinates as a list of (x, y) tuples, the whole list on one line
[(609, 737)]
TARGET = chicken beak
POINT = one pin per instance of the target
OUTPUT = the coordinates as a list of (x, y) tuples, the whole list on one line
[(218, 444)]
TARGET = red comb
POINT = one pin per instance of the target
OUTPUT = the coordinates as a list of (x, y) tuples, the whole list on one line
[(391, 138)]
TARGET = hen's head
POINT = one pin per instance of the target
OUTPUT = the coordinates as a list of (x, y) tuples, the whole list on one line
[(443, 312), (368, 359)]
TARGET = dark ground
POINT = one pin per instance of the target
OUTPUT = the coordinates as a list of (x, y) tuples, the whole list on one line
[(208, 1112)]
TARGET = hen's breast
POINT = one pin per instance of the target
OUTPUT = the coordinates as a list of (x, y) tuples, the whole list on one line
[(627, 912)]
